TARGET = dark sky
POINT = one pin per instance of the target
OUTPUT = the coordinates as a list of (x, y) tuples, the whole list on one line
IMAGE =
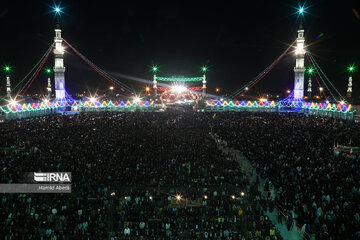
[(236, 39)]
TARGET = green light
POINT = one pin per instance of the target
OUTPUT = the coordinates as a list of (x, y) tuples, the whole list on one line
[(310, 71), (155, 69), (7, 68), (351, 68), (204, 69), (48, 70)]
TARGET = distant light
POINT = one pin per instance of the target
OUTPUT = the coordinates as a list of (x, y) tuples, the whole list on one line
[(93, 100), (13, 102), (217, 89), (112, 194), (125, 198), (178, 88), (178, 197), (288, 91), (233, 196), (242, 194), (111, 88), (221, 99), (321, 89), (205, 197), (246, 88), (151, 197), (301, 10), (147, 89), (342, 102), (137, 99)]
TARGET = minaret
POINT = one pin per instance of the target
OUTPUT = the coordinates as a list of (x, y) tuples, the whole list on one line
[(155, 85), (49, 88), (204, 85), (349, 90), (309, 90), (59, 69), (299, 67), (8, 86)]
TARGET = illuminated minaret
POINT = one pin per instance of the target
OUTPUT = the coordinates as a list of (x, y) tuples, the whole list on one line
[(204, 69), (349, 90), (59, 69), (299, 67), (309, 91), (8, 86), (155, 69)]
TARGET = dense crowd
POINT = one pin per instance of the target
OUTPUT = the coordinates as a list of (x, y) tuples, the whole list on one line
[(163, 176), (296, 154), (135, 176)]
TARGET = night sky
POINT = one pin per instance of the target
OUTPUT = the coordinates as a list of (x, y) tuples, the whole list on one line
[(235, 40)]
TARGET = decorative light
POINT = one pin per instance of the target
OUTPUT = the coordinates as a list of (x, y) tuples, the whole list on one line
[(310, 71), (13, 102), (155, 68), (327, 101), (57, 9), (288, 91), (351, 68), (233, 196), (263, 100), (246, 88), (46, 101), (178, 197), (321, 89), (217, 89), (342, 102), (7, 68), (242, 194), (112, 194), (301, 10), (147, 89), (205, 197), (204, 69), (111, 88)]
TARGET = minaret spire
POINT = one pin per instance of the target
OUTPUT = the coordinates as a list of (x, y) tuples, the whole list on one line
[(299, 67)]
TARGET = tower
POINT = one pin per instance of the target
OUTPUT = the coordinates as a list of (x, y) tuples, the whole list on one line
[(204, 85), (155, 85), (49, 88), (59, 69), (349, 90), (309, 90), (299, 67), (8, 86)]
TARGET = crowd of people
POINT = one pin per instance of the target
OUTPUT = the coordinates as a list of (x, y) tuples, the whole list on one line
[(134, 176), (315, 187)]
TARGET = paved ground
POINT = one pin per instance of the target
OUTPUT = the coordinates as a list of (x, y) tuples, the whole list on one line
[(294, 233)]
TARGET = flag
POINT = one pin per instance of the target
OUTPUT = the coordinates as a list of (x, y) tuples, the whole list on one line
[(214, 115)]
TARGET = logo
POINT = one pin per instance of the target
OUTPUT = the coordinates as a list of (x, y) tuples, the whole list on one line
[(52, 177)]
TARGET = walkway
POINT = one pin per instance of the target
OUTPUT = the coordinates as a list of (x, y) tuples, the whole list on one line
[(294, 233)]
